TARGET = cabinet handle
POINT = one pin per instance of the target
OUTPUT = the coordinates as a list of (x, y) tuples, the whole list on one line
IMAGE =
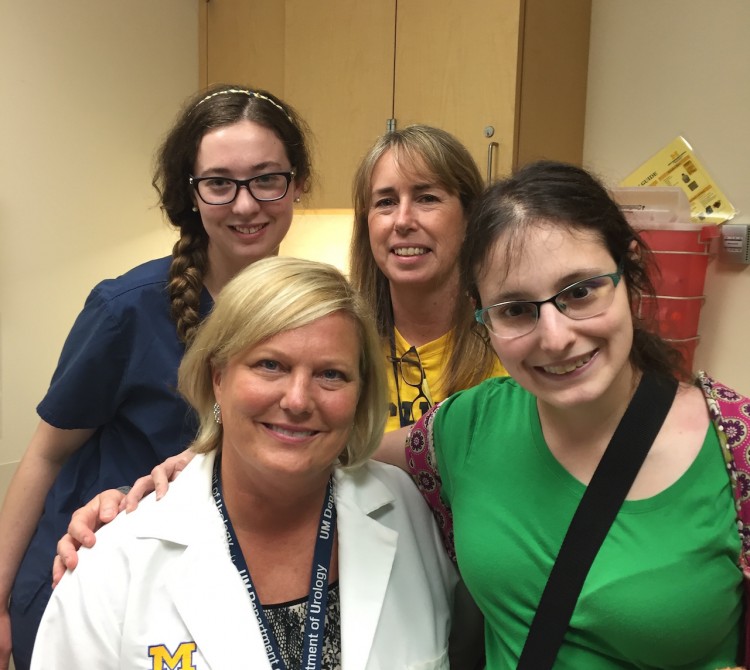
[(490, 155)]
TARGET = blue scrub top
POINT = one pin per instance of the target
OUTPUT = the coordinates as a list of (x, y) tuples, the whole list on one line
[(117, 373)]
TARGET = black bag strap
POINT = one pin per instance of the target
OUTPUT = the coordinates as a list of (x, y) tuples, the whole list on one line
[(592, 520)]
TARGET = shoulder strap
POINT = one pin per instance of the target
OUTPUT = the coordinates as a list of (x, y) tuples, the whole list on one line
[(595, 514)]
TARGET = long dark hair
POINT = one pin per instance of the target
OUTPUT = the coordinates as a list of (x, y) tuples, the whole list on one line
[(217, 106), (573, 198)]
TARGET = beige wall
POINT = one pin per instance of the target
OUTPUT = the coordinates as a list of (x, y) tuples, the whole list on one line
[(680, 67), (320, 234), (88, 88)]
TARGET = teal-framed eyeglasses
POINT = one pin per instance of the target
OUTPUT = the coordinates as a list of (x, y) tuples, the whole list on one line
[(582, 300)]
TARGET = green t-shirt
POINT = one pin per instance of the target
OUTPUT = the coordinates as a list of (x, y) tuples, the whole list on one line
[(665, 590)]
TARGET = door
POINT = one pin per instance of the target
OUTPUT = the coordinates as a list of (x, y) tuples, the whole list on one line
[(332, 60)]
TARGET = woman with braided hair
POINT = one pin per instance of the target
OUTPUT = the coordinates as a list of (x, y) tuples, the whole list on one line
[(227, 175)]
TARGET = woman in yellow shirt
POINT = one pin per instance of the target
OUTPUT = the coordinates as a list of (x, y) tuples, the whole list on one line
[(412, 194)]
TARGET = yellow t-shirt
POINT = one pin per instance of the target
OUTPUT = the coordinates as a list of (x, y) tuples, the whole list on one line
[(433, 357)]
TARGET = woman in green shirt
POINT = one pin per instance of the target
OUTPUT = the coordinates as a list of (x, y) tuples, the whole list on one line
[(557, 273)]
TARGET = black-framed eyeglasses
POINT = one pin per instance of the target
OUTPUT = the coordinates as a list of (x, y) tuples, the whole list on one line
[(223, 190), (408, 368), (582, 300)]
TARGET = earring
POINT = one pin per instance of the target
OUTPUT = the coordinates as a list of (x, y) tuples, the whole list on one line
[(195, 208), (296, 200), (217, 413)]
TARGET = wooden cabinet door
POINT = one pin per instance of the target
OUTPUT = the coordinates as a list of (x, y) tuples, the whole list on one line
[(331, 59), (457, 67), (516, 66), (339, 74), (242, 42), (552, 96)]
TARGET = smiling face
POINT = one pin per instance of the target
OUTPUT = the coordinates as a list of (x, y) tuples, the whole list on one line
[(288, 403), (415, 225), (566, 363), (244, 230)]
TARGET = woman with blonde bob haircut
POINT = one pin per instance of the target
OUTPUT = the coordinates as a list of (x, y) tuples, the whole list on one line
[(309, 554), (283, 295)]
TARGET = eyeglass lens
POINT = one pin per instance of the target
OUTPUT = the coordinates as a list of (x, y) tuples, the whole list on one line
[(582, 300), (411, 371)]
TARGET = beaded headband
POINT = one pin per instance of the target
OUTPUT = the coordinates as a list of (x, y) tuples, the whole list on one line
[(249, 94)]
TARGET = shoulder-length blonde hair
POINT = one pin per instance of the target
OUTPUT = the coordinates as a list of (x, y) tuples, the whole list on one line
[(269, 297), (447, 162)]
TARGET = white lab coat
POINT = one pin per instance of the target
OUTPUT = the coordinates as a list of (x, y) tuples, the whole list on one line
[(159, 586)]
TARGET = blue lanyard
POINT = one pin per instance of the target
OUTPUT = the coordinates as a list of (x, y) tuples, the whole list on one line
[(312, 645)]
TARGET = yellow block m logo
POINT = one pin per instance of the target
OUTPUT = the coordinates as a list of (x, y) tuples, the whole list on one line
[(182, 659)]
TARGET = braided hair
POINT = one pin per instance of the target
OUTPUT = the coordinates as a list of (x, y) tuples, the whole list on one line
[(220, 105)]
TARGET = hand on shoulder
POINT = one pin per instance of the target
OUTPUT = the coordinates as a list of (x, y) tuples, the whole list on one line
[(105, 506)]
